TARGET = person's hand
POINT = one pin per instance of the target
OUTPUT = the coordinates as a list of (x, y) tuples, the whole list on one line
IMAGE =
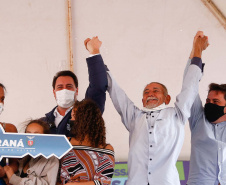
[(2, 172), (93, 45), (198, 35), (9, 171), (200, 45)]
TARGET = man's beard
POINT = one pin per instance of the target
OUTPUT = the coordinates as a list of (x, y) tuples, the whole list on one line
[(152, 105)]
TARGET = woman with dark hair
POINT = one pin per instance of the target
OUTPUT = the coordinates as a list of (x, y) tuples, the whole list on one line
[(35, 171), (8, 128), (91, 161)]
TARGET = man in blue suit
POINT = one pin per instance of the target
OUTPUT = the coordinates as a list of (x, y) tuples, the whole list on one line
[(65, 89)]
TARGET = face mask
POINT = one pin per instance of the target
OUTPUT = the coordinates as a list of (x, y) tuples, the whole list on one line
[(65, 98), (1, 107), (160, 107), (213, 112), (71, 122)]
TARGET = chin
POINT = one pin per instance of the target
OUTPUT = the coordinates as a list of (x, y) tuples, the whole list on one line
[(151, 106)]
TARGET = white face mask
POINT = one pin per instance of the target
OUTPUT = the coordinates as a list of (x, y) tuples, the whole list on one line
[(1, 107), (160, 107), (65, 98)]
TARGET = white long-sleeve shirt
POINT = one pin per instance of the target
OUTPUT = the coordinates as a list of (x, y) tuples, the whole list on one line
[(156, 138)]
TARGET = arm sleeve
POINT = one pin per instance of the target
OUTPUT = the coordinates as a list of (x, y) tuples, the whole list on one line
[(189, 92), (97, 81), (196, 61), (186, 68), (124, 106), (196, 112), (48, 175), (197, 107)]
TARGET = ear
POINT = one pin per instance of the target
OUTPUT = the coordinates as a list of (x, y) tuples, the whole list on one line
[(143, 102), (76, 92), (54, 93), (72, 115), (167, 100)]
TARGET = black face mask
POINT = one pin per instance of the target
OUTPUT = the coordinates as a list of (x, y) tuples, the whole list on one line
[(213, 112), (71, 123)]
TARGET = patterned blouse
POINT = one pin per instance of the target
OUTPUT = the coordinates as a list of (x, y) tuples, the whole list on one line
[(85, 163)]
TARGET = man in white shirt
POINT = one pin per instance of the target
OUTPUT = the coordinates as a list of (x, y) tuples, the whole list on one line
[(208, 138), (156, 133)]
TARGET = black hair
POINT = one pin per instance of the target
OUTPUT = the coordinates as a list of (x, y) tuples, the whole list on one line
[(218, 87), (65, 73), (43, 124), (1, 85)]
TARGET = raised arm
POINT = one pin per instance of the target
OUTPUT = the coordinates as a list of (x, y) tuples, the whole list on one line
[(192, 76), (124, 106), (97, 73), (198, 34), (197, 107)]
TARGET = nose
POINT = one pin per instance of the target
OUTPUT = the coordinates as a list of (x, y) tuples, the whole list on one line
[(151, 93)]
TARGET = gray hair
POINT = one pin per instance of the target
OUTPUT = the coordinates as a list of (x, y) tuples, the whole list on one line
[(165, 91)]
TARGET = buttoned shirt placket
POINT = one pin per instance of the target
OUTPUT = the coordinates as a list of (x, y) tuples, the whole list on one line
[(151, 118)]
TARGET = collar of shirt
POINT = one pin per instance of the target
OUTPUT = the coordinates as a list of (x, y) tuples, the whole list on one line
[(221, 124), (59, 117), (160, 107)]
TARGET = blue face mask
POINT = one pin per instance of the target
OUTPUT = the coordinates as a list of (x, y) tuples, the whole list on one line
[(213, 112), (1, 107)]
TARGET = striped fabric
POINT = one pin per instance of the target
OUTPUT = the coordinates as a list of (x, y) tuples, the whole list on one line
[(85, 163)]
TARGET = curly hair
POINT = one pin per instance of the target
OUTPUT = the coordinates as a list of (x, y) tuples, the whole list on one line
[(88, 123)]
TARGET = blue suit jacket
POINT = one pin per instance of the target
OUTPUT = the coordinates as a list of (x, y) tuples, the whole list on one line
[(95, 91)]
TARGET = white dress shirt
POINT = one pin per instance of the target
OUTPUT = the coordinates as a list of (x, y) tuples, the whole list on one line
[(155, 138), (59, 117)]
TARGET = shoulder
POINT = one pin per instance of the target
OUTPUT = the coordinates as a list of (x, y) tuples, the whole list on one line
[(10, 128), (53, 161), (49, 115), (109, 147), (168, 111), (73, 141)]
